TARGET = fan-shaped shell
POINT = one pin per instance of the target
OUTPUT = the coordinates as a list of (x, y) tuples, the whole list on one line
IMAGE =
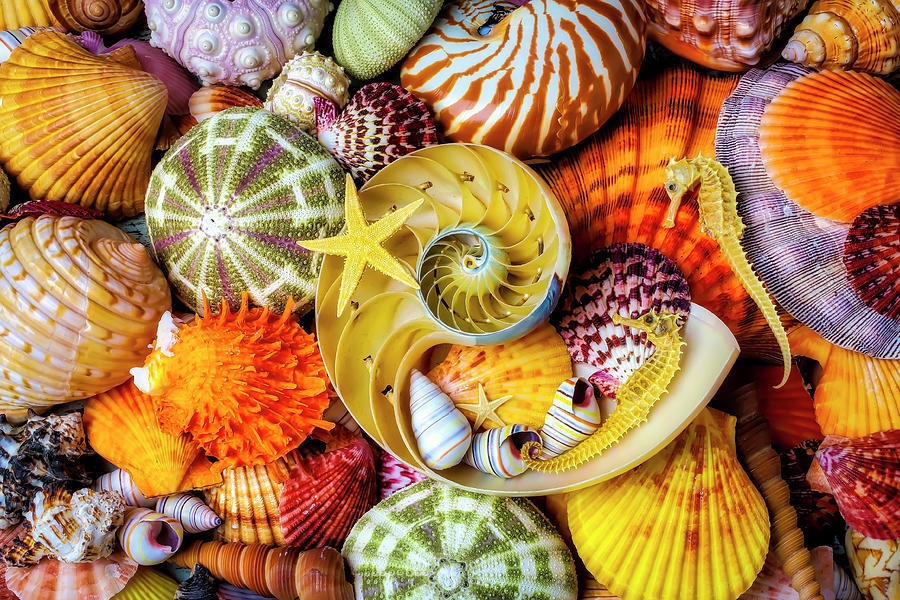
[(490, 250), (53, 579), (797, 254), (209, 100), (108, 17), (13, 39), (243, 42), (304, 79), (864, 476), (788, 409), (625, 279), (830, 141), (432, 540), (582, 60), (149, 537), (872, 258), (382, 123), (875, 565), (121, 482), (728, 35), (82, 128), (77, 301), (394, 476), (679, 546), (327, 493), (529, 369), (148, 584), (217, 218), (443, 434), (25, 13), (122, 427), (845, 34), (190, 511)]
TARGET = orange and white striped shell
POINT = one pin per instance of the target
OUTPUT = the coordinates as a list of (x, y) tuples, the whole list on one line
[(531, 80)]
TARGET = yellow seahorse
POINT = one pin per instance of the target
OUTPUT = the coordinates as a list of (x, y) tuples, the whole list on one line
[(635, 398), (717, 201)]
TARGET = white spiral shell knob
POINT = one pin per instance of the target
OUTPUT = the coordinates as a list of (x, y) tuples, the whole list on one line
[(190, 511), (149, 537)]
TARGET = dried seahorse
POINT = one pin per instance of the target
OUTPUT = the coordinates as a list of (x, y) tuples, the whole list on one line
[(635, 398), (717, 201)]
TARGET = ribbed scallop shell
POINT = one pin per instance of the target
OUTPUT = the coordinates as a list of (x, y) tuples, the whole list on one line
[(490, 248), (582, 60), (52, 579), (864, 476), (25, 13), (394, 476), (498, 451), (213, 99), (241, 42), (108, 17), (190, 511), (122, 427), (382, 123), (149, 537), (831, 141), (574, 415), (848, 34), (148, 584), (12, 39), (529, 369), (728, 35), (443, 434), (872, 258), (305, 80), (121, 482), (797, 254), (82, 127), (77, 304), (875, 565), (857, 394), (788, 409), (695, 526), (625, 279)]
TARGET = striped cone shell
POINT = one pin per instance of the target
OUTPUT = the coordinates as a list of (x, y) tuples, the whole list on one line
[(148, 537), (120, 481), (190, 511), (573, 417), (443, 433), (498, 451)]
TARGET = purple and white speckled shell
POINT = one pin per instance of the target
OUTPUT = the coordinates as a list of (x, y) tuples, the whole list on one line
[(239, 42), (628, 279)]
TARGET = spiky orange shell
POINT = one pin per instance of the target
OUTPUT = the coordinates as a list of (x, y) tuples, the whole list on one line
[(248, 386)]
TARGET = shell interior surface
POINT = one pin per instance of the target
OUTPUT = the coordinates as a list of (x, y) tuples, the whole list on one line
[(227, 220), (872, 258), (625, 279), (149, 537), (797, 254), (432, 540), (582, 62)]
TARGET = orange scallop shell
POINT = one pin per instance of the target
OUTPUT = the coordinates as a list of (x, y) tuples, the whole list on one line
[(788, 409)]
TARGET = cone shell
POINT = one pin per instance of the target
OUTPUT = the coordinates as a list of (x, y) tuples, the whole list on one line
[(52, 579), (148, 584), (872, 258), (77, 300), (76, 527), (846, 34), (190, 511), (121, 482), (443, 434), (875, 565), (108, 17), (830, 141), (864, 476), (210, 100), (122, 427), (382, 123), (25, 13), (678, 546), (727, 35), (498, 451), (625, 279), (529, 369), (86, 139), (394, 476), (149, 537), (788, 409), (327, 493), (306, 78), (573, 417)]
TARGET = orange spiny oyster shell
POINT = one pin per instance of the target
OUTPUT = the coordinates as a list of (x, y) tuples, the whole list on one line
[(327, 493), (248, 386), (864, 476)]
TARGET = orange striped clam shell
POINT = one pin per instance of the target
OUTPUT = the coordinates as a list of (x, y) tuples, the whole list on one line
[(210, 100)]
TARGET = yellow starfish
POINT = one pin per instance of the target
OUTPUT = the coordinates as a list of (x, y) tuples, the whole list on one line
[(485, 409), (361, 245)]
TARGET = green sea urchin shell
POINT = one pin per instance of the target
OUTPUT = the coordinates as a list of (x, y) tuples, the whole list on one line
[(371, 36), (432, 541), (229, 202)]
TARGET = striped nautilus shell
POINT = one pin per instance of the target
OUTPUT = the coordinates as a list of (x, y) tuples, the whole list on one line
[(531, 80), (490, 250)]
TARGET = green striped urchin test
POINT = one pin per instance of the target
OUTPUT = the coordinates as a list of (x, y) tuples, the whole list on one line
[(432, 541), (229, 202)]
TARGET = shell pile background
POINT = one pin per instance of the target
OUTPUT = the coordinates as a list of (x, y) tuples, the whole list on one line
[(423, 299)]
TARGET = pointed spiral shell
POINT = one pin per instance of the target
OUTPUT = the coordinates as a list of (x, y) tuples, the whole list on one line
[(104, 16), (190, 511), (120, 481)]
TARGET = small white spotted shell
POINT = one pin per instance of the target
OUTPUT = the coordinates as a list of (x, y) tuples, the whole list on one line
[(304, 79)]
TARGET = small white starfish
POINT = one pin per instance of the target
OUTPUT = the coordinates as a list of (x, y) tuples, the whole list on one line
[(485, 409)]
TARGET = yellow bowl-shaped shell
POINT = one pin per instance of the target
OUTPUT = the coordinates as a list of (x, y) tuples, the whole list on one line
[(79, 304)]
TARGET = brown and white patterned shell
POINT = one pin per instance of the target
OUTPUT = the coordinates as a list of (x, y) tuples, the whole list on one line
[(531, 80), (875, 565), (729, 35), (104, 16)]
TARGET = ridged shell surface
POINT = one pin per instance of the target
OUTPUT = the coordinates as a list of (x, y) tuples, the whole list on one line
[(435, 541), (788, 409), (13, 38), (25, 13), (227, 221), (483, 87), (875, 565), (872, 258), (394, 476), (241, 42), (149, 537), (796, 254), (108, 17), (82, 127), (696, 527), (148, 584), (305, 78), (77, 299), (490, 249), (53, 579), (213, 99)]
